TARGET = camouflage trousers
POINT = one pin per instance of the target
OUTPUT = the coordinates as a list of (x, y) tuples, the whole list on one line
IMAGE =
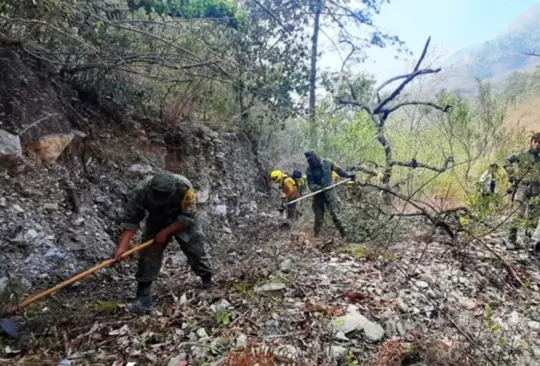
[(527, 214), (192, 243), (327, 201)]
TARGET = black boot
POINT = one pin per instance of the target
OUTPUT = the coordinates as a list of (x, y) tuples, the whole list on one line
[(143, 302), (206, 282), (511, 242)]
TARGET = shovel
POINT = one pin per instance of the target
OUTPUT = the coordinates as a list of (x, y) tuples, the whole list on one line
[(10, 327)]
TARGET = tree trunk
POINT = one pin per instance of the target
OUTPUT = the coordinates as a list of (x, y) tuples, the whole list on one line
[(317, 4)]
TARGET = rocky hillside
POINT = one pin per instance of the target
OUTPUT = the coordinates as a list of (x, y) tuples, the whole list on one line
[(62, 189), (497, 58)]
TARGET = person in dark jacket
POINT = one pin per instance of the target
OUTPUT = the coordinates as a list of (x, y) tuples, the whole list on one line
[(319, 176)]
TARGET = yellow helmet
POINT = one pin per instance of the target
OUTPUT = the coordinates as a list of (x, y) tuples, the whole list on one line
[(276, 176)]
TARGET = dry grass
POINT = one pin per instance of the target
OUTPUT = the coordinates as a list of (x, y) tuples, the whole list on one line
[(525, 115)]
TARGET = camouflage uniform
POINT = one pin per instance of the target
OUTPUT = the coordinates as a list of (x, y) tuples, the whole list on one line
[(180, 206), (318, 177), (526, 182)]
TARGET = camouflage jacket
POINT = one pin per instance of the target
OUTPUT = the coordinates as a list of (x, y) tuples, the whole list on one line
[(181, 207), (528, 167), (321, 176)]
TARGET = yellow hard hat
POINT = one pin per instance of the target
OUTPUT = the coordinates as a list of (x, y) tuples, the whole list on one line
[(276, 176)]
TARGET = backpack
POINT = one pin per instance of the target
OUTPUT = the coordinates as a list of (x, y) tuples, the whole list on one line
[(300, 181)]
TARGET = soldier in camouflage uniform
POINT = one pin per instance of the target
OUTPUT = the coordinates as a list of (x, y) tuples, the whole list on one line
[(169, 200), (319, 175), (526, 187)]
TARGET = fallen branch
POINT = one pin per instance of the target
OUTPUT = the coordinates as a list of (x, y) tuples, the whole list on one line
[(436, 220), (509, 268), (420, 213)]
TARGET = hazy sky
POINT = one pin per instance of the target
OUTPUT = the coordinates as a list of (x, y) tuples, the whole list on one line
[(452, 25)]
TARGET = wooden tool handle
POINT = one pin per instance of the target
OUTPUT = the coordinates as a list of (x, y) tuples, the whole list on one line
[(76, 278), (319, 191)]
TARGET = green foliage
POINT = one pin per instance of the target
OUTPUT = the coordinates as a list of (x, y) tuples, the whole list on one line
[(369, 253), (351, 359), (243, 287), (223, 317), (203, 59), (215, 9), (105, 307)]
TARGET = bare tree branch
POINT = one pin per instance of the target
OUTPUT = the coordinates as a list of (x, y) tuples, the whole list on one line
[(428, 104), (423, 55), (353, 103), (414, 164), (435, 219), (365, 170), (400, 88)]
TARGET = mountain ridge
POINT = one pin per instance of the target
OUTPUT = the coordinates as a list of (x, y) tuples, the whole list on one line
[(497, 58)]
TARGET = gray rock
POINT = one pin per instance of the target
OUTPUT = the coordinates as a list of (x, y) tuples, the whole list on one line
[(100, 199), (199, 352), (349, 323), (4, 282), (391, 327), (201, 333), (241, 340), (221, 305), (10, 149), (78, 221), (221, 210), (534, 325), (140, 169), (3, 202), (274, 286), (54, 253), (285, 266), (514, 318), (402, 306), (50, 206), (373, 331), (467, 303), (338, 352), (341, 336), (401, 329), (17, 208), (177, 359), (421, 284), (30, 235)]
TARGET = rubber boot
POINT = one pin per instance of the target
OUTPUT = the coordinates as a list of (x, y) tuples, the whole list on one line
[(143, 302)]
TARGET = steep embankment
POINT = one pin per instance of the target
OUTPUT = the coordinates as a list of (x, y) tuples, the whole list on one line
[(59, 215)]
